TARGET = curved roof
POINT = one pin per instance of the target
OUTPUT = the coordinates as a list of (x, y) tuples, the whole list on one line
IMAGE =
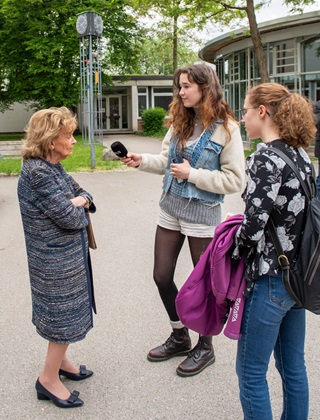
[(213, 48)]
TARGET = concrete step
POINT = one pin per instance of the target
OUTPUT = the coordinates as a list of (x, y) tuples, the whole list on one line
[(10, 148)]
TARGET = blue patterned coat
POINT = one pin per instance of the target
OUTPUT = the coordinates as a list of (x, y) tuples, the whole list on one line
[(57, 251)]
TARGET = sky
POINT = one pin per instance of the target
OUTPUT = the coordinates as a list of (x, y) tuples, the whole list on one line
[(276, 9)]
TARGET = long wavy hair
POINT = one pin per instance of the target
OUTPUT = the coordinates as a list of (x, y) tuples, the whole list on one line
[(212, 106), (43, 127), (291, 113)]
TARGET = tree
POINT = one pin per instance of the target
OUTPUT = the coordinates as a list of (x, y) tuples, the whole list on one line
[(195, 14), (155, 52), (39, 48), (173, 16)]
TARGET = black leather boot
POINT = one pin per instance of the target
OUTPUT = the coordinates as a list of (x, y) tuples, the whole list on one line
[(178, 344), (200, 357)]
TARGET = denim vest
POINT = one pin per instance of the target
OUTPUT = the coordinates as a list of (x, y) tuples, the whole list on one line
[(204, 154)]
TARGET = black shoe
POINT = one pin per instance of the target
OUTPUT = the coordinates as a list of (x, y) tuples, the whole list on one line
[(178, 344), (44, 394), (83, 374), (200, 357)]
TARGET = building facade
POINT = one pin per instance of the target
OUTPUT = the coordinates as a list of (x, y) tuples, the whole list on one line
[(123, 103), (292, 48)]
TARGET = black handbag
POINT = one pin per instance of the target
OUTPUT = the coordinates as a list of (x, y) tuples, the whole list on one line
[(301, 277)]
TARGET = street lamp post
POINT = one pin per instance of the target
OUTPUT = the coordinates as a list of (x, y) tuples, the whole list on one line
[(89, 28)]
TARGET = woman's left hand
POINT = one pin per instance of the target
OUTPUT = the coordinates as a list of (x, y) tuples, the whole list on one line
[(80, 201), (180, 170)]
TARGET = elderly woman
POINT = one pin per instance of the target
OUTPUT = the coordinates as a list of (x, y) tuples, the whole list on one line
[(54, 214)]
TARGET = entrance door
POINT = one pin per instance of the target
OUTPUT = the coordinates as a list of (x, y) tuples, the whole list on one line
[(114, 112), (116, 116)]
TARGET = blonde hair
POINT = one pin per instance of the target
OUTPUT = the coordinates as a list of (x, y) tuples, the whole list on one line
[(212, 105), (291, 113), (44, 126)]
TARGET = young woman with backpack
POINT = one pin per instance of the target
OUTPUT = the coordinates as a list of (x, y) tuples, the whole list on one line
[(272, 322)]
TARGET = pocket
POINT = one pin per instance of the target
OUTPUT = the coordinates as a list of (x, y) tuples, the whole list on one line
[(278, 294), (59, 244), (210, 156)]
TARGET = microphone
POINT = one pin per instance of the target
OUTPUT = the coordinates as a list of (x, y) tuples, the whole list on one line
[(119, 149)]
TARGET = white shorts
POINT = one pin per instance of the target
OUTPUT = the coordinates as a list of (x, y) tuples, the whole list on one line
[(188, 229)]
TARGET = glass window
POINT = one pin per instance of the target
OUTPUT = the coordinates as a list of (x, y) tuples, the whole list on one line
[(219, 70), (270, 58), (162, 90), (243, 65), (235, 67), (285, 57), (124, 109), (311, 56), (162, 96), (162, 101), (287, 81), (142, 103), (254, 69), (226, 70)]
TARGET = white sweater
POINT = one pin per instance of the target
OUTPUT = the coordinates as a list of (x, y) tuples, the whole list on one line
[(231, 176)]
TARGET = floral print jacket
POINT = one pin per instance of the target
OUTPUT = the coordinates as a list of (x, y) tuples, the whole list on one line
[(272, 188)]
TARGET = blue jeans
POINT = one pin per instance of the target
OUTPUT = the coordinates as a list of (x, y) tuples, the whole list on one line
[(272, 323)]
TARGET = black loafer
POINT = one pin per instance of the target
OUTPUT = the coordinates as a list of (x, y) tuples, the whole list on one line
[(72, 402), (83, 374)]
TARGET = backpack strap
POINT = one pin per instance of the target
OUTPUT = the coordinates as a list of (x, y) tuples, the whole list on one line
[(294, 168), (282, 258)]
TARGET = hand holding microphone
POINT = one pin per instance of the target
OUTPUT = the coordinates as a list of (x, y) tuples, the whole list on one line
[(119, 149), (129, 159)]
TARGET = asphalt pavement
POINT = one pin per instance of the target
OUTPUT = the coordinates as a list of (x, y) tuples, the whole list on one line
[(130, 319)]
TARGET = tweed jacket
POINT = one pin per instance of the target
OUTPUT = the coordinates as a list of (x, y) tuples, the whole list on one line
[(57, 251)]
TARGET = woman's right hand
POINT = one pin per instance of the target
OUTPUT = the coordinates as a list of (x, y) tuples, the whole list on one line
[(133, 160)]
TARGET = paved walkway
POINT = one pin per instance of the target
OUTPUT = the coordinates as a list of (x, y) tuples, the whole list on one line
[(129, 322)]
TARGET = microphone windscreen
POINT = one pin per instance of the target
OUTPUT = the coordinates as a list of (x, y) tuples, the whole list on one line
[(119, 149)]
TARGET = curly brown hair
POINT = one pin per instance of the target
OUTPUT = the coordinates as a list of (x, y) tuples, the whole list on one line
[(291, 113), (43, 127), (212, 105)]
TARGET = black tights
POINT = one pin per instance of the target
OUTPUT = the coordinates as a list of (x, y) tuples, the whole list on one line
[(168, 244)]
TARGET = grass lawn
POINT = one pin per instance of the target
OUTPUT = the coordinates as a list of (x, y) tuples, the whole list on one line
[(79, 161)]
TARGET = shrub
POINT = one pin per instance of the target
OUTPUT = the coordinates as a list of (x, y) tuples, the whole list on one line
[(153, 121)]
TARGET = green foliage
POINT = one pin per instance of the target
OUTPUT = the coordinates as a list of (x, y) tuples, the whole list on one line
[(156, 55), (10, 166), (39, 48), (153, 121)]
